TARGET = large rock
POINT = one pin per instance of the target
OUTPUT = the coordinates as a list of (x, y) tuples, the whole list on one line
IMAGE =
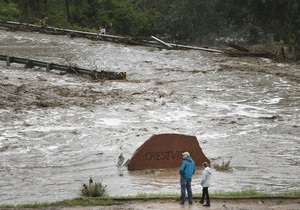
[(165, 151)]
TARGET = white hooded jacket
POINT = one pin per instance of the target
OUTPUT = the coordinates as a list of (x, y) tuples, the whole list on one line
[(206, 177)]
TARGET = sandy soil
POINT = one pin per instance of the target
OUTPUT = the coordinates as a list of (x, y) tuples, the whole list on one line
[(216, 203)]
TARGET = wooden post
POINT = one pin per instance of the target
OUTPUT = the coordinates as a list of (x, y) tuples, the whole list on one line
[(48, 67), (7, 61)]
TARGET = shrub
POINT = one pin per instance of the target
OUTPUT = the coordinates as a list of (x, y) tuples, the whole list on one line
[(225, 166), (93, 189)]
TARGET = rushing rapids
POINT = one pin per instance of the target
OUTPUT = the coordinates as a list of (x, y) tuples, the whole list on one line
[(58, 130)]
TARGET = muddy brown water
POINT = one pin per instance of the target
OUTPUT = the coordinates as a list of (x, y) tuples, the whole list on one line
[(58, 130)]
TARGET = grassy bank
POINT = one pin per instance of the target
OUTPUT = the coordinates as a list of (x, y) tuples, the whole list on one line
[(69, 202), (107, 200)]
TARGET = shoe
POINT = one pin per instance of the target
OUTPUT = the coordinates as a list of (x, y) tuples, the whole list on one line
[(191, 203), (207, 203), (201, 201), (181, 203)]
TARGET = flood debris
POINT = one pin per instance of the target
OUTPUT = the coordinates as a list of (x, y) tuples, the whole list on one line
[(100, 36), (99, 75), (244, 51), (162, 42)]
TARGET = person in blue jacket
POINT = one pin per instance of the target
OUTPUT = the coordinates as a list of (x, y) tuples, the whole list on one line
[(186, 171)]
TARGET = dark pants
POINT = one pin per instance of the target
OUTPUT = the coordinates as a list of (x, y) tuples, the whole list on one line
[(186, 185), (205, 194)]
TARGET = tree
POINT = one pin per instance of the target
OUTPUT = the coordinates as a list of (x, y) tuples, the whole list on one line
[(8, 10), (173, 20)]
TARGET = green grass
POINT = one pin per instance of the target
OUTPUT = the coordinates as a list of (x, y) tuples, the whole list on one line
[(289, 194), (254, 193), (106, 201), (244, 193), (236, 194), (147, 196), (69, 202)]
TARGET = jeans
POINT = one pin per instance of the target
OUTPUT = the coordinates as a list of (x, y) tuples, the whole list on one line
[(186, 184)]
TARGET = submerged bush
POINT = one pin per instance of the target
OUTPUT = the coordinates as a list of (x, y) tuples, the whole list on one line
[(225, 166), (93, 189)]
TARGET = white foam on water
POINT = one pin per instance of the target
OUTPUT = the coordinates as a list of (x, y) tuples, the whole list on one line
[(248, 118)]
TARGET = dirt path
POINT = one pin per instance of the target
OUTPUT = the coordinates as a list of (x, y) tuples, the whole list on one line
[(217, 203)]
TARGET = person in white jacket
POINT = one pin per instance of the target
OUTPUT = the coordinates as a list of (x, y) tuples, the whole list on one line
[(206, 182)]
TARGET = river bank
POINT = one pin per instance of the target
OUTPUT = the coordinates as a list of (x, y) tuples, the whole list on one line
[(257, 203)]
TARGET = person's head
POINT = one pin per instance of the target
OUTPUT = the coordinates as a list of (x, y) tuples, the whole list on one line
[(205, 164), (185, 155)]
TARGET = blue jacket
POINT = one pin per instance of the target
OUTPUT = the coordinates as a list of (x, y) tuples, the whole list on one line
[(187, 168)]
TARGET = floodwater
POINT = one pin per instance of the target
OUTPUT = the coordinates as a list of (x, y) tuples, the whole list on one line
[(58, 130)]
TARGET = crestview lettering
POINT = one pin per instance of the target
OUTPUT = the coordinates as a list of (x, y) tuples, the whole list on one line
[(168, 155)]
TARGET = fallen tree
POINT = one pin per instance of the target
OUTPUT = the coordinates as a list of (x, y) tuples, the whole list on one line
[(274, 53)]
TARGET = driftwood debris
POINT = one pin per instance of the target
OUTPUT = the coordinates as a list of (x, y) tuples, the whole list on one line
[(250, 54), (178, 46), (196, 48), (241, 51), (162, 42), (238, 47)]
